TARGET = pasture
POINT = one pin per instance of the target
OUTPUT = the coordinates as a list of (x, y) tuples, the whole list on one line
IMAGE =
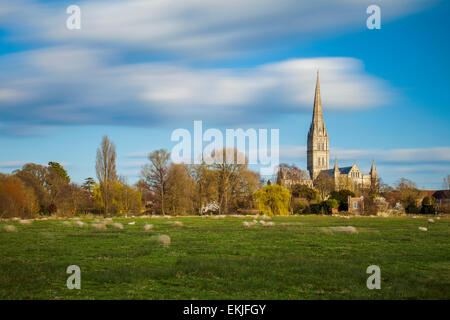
[(299, 257)]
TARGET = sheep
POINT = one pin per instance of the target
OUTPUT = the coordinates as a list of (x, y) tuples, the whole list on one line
[(178, 223), (430, 220), (99, 226), (148, 227), (246, 224), (423, 229), (347, 229), (132, 223), (25, 221), (10, 228), (66, 223), (269, 224), (118, 225), (163, 240), (80, 223)]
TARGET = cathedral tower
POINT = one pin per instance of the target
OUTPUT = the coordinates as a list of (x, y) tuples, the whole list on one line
[(318, 148)]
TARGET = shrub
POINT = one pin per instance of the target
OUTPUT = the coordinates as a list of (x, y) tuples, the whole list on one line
[(273, 200), (298, 206), (330, 204), (428, 209), (316, 208), (342, 197), (412, 209)]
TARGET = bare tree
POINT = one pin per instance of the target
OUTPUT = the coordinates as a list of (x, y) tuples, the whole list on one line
[(105, 167), (155, 174), (324, 183), (228, 164)]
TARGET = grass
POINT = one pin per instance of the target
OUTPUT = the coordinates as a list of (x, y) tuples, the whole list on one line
[(220, 259)]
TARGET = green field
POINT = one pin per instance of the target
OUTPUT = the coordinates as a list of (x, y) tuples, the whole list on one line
[(298, 258)]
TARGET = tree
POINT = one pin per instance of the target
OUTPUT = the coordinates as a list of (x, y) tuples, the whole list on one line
[(206, 191), (342, 197), (144, 188), (228, 164), (292, 172), (59, 170), (16, 199), (36, 177), (180, 190), (408, 194), (303, 191), (273, 200), (331, 204), (88, 185), (155, 174), (126, 198), (428, 205), (243, 188), (106, 171), (324, 183)]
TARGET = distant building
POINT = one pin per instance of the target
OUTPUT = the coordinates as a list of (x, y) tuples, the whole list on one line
[(356, 205), (318, 157)]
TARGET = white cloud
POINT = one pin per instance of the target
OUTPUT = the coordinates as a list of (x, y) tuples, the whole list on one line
[(194, 28), (11, 164), (69, 85), (412, 155)]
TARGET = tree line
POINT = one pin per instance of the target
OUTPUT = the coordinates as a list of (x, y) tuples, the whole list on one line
[(219, 185)]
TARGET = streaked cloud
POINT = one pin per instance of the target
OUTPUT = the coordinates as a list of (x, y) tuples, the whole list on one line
[(401, 156), (11, 164), (193, 28), (73, 86)]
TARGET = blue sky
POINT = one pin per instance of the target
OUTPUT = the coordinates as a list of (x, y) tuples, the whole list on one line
[(138, 70)]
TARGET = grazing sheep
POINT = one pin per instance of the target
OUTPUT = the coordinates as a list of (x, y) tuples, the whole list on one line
[(148, 227), (348, 229), (99, 226), (246, 224), (163, 240), (269, 224), (118, 225), (438, 218), (262, 222), (423, 229), (132, 223), (10, 228), (66, 223), (430, 220), (25, 221), (80, 223), (178, 223)]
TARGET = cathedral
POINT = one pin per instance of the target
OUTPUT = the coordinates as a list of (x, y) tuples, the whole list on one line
[(318, 158)]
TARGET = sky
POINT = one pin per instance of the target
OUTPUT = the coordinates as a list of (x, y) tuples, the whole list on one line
[(138, 70)]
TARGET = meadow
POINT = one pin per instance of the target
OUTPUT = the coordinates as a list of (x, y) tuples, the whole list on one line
[(299, 257)]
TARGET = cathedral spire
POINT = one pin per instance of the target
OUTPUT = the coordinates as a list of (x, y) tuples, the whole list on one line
[(317, 113), (318, 148), (336, 168), (373, 170)]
